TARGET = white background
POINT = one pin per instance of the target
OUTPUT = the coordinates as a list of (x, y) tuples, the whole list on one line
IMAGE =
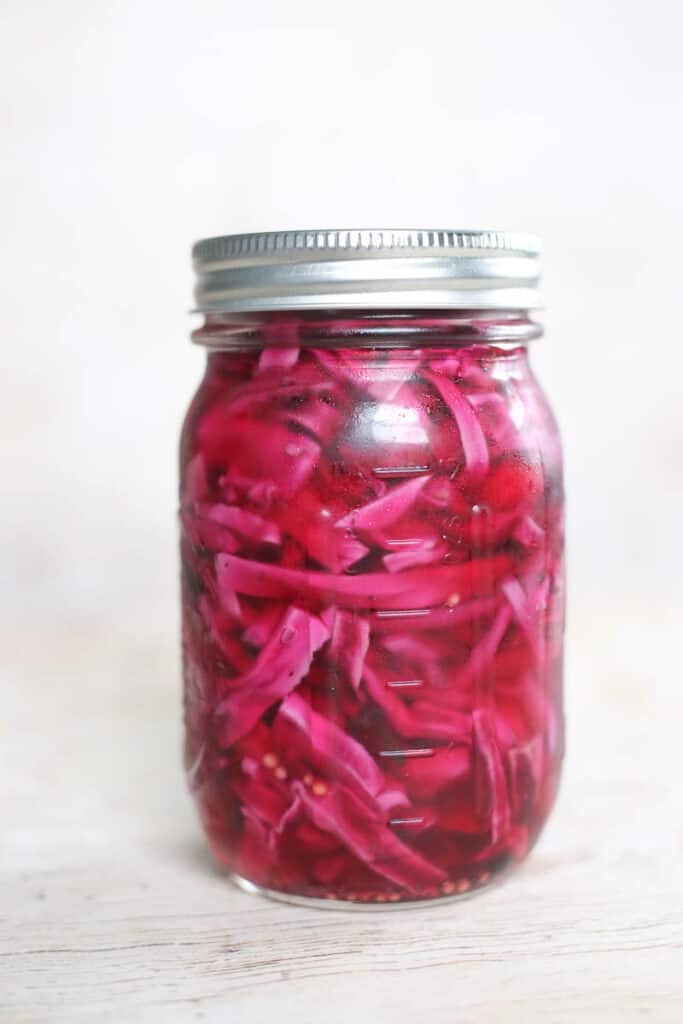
[(130, 129)]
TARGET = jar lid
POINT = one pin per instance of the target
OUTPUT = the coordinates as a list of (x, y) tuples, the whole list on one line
[(362, 269)]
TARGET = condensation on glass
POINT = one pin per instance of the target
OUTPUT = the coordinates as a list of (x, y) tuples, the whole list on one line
[(372, 564)]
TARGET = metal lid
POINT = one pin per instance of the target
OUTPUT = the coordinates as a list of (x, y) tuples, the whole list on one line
[(352, 269)]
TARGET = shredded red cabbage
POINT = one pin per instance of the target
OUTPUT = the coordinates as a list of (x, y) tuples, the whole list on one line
[(372, 596)]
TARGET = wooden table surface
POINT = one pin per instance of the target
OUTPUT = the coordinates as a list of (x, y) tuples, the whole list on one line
[(112, 911)]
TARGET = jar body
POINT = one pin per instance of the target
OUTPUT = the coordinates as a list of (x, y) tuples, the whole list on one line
[(372, 549)]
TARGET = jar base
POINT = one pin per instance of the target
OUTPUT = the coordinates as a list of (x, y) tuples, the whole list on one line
[(352, 905)]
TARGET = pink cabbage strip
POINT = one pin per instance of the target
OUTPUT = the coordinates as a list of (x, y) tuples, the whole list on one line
[(277, 358), (268, 455), (528, 532), (248, 524), (313, 417), (525, 770), (259, 631), (424, 553), (384, 511), (383, 383), (331, 749), (413, 588), (207, 533), (419, 719), (414, 648), (279, 668), (349, 644), (333, 548), (491, 788), (425, 777), (258, 394), (356, 826), (480, 660), (471, 434), (267, 802), (527, 607)]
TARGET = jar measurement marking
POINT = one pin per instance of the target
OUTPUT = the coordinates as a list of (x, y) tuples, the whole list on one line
[(399, 470), (409, 752), (403, 613)]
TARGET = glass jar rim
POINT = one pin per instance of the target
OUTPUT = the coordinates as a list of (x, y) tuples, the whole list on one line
[(367, 329)]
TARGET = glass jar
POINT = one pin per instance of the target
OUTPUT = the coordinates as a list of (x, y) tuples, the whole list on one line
[(372, 564)]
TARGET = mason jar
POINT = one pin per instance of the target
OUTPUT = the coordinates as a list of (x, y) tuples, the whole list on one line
[(372, 564)]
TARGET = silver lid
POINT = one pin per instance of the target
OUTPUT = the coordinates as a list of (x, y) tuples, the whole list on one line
[(380, 269)]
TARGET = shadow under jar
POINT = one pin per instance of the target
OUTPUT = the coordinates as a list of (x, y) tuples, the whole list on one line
[(372, 564)]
